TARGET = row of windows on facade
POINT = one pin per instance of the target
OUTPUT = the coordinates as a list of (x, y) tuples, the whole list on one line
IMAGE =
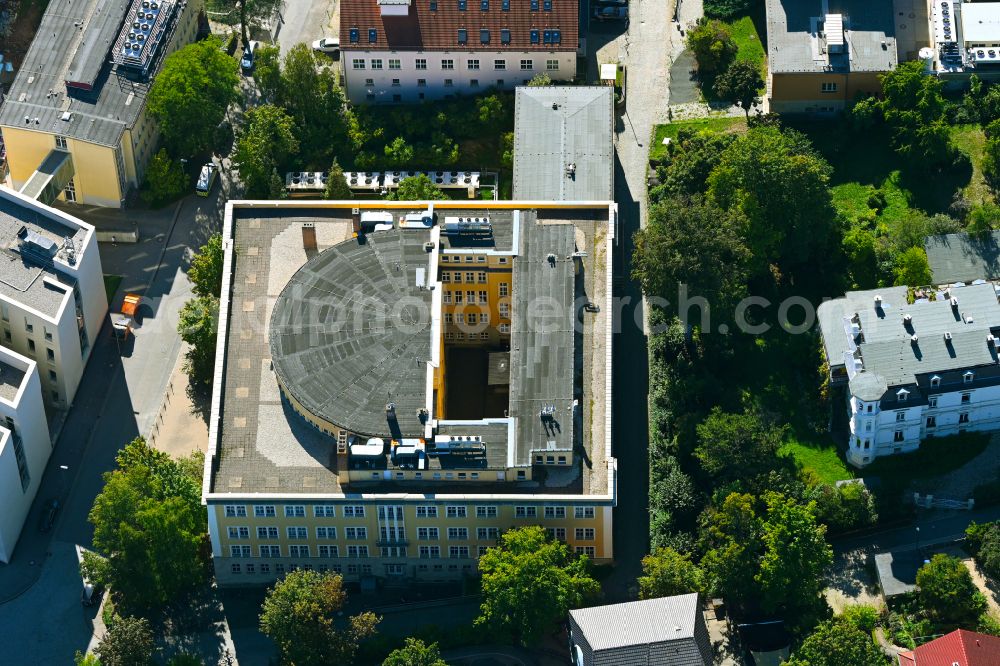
[(396, 512), (535, 35), (902, 395), (362, 552), (471, 277), (457, 297), (930, 423), (394, 534), (447, 64), (468, 258)]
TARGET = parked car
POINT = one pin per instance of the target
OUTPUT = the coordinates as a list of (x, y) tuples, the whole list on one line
[(206, 179), (611, 13), (246, 63), (329, 45), (48, 517)]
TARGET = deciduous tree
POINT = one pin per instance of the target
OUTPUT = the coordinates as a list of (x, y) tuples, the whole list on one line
[(165, 180), (205, 271), (298, 615), (740, 84), (838, 643), (912, 268), (198, 324), (264, 144), (127, 642), (190, 95), (947, 593), (737, 446), (667, 573), (415, 653), (530, 582), (731, 536), (712, 45), (418, 188)]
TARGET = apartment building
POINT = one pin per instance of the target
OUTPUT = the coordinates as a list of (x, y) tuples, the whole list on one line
[(410, 50), (24, 444), (915, 365), (74, 121), (823, 54), (397, 383), (52, 298)]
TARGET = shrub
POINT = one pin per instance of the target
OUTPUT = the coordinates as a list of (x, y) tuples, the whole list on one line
[(712, 45), (165, 180), (727, 9)]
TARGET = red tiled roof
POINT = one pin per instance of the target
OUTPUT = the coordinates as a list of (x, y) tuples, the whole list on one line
[(423, 29), (961, 647)]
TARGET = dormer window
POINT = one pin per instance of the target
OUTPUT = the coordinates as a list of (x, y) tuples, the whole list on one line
[(463, 36), (968, 377), (935, 381), (354, 35), (902, 395)]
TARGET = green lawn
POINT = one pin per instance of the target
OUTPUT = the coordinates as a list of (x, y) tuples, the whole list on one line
[(744, 33), (111, 283), (712, 124), (820, 458), (971, 140)]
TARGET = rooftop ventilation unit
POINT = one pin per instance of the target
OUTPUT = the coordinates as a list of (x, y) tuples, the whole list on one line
[(954, 302), (878, 301), (907, 320), (913, 339), (33, 244), (468, 225), (947, 336)]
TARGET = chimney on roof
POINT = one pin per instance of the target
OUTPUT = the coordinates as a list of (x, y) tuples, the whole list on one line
[(308, 236)]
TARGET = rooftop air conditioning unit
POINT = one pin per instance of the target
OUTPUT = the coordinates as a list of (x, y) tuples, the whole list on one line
[(907, 320), (954, 302), (947, 336), (913, 338)]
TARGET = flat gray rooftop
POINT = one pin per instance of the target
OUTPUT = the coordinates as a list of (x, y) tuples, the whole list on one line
[(795, 42), (21, 277), (555, 126), (351, 332), (70, 45), (501, 240), (542, 344), (963, 258), (11, 379)]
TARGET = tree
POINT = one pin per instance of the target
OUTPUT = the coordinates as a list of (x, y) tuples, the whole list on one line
[(947, 593), (845, 507), (267, 73), (530, 582), (298, 615), (913, 107), (540, 80), (165, 180), (731, 535), (198, 325), (398, 153), (691, 242), (415, 653), (667, 573), (150, 525), (253, 13), (983, 219), (336, 185), (691, 158), (912, 268), (712, 45), (838, 643), (741, 84), (984, 542), (205, 272), (417, 188), (782, 188), (309, 93), (727, 9), (127, 642), (795, 555), (737, 446), (81, 659), (264, 143), (190, 95)]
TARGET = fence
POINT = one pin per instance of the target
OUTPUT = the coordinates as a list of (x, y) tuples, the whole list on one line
[(932, 502)]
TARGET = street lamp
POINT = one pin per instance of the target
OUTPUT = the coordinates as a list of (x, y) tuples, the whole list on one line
[(917, 542), (62, 479)]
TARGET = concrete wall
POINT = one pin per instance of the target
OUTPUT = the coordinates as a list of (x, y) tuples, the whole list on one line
[(28, 416), (461, 76)]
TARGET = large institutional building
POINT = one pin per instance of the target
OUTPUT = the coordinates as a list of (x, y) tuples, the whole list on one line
[(74, 121), (52, 298), (397, 383), (412, 50), (915, 366), (823, 54)]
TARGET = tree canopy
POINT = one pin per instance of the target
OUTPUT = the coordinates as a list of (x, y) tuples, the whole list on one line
[(712, 45), (150, 526), (205, 271), (737, 446), (838, 643), (913, 107), (740, 84), (529, 582), (128, 641), (190, 95), (667, 573), (198, 324), (417, 188), (336, 185), (947, 593), (415, 653), (298, 615), (264, 143)]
